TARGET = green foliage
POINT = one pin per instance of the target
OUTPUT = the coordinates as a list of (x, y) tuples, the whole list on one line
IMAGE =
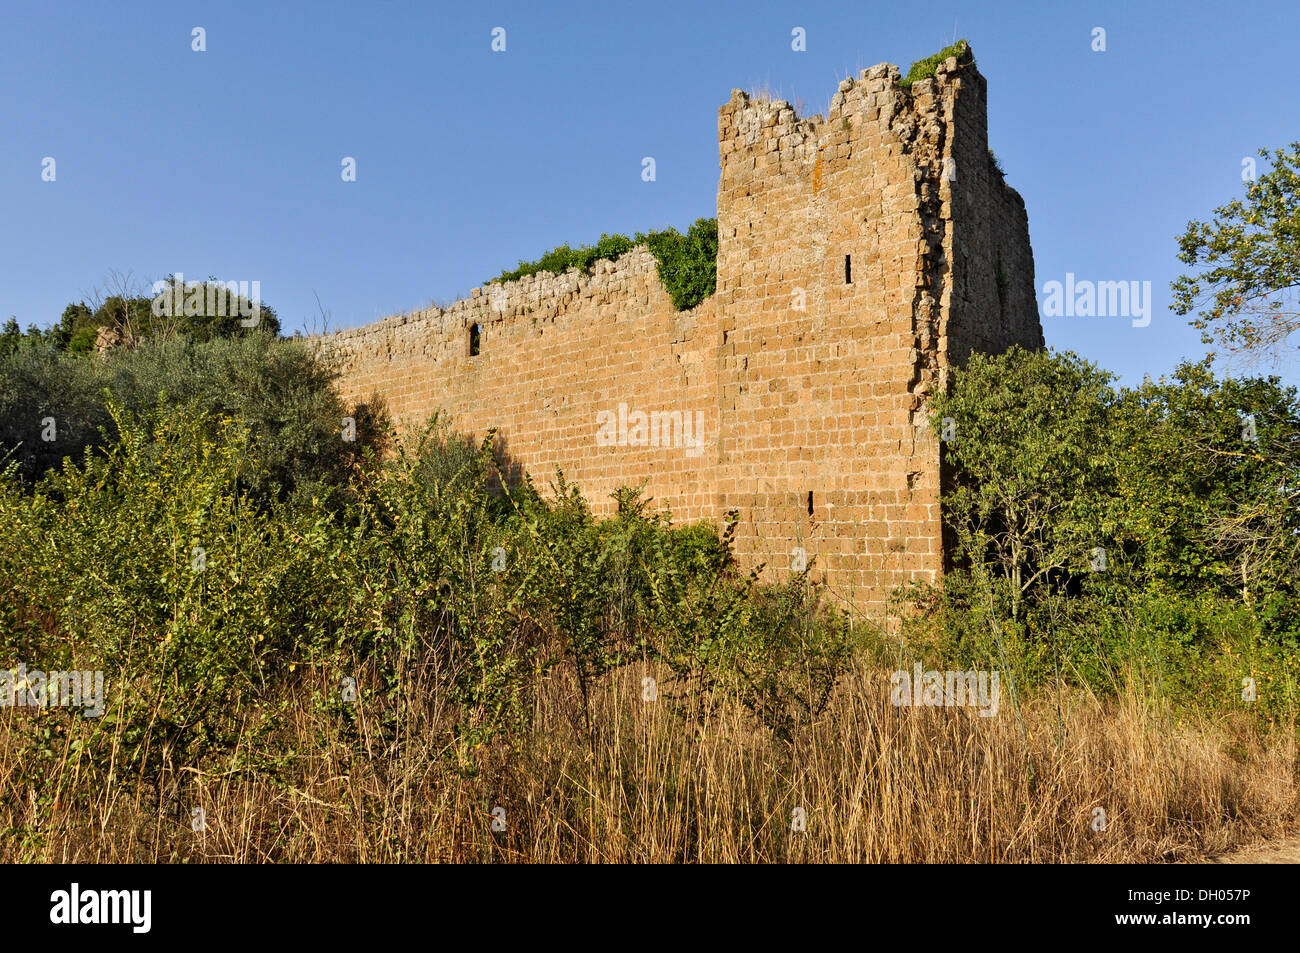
[(133, 316), (1031, 488), (278, 388), (422, 576), (688, 264), (996, 163), (46, 393), (101, 575), (430, 533), (924, 69), (1196, 525), (694, 616), (793, 652), (560, 259), (1249, 261), (10, 336), (1208, 482)]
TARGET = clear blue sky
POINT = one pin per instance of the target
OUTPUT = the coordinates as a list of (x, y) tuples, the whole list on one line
[(227, 162)]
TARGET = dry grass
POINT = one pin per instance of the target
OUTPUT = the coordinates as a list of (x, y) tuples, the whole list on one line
[(877, 783)]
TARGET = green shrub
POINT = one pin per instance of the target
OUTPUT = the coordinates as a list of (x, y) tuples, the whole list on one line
[(1196, 527), (688, 264), (924, 69), (51, 407), (785, 663), (166, 578), (560, 259), (280, 389), (78, 327), (996, 163)]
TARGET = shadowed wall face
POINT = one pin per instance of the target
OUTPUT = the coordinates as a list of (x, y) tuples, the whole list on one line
[(860, 256)]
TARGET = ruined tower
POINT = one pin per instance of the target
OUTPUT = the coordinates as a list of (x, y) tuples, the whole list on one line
[(860, 256)]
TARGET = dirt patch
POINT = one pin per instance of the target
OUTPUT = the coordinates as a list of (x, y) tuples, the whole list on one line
[(1284, 851)]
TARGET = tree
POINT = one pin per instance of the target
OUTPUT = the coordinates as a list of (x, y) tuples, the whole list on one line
[(1091, 527), (10, 336), (127, 306), (1210, 479), (1031, 474), (1249, 256)]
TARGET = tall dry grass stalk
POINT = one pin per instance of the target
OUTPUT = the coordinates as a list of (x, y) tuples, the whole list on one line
[(876, 783)]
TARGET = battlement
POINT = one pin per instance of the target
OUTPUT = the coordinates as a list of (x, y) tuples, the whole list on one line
[(860, 255)]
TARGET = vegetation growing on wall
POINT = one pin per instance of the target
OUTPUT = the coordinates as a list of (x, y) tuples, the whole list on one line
[(996, 163), (688, 264), (924, 69)]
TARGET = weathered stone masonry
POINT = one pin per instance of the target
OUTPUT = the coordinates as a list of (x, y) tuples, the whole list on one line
[(860, 256)]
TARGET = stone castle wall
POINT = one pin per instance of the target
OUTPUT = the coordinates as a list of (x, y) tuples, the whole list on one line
[(556, 352), (860, 256)]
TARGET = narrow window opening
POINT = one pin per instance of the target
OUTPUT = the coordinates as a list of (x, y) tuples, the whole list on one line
[(848, 269), (810, 503), (475, 334)]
